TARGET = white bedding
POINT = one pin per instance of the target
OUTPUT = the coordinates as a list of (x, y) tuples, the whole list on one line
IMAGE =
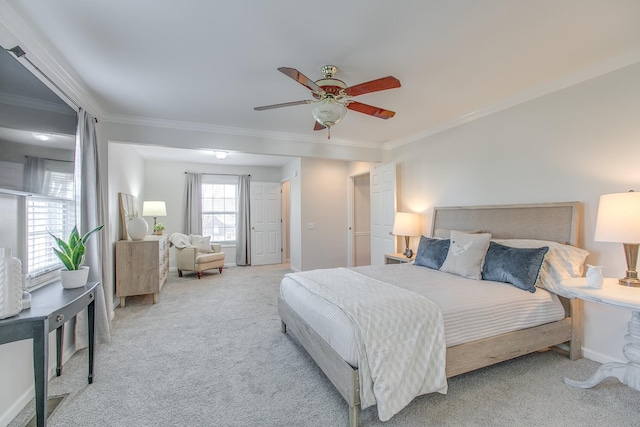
[(471, 309), (399, 336)]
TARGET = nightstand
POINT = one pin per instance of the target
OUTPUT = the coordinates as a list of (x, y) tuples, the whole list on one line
[(614, 295), (397, 258)]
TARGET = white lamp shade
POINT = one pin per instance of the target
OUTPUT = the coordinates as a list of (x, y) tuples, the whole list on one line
[(406, 224), (154, 209), (328, 112), (618, 218)]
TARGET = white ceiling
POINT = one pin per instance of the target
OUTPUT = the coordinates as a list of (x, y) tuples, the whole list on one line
[(210, 62), (234, 158)]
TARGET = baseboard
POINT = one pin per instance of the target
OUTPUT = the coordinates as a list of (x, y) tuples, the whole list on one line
[(18, 406), (599, 357)]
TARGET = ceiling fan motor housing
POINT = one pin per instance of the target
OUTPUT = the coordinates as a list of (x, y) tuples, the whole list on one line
[(330, 86)]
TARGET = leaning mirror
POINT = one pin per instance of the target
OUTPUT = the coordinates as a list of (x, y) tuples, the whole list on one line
[(37, 134)]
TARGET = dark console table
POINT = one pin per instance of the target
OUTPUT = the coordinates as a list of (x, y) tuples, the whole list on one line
[(51, 307)]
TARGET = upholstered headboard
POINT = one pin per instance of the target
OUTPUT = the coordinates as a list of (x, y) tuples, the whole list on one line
[(558, 222)]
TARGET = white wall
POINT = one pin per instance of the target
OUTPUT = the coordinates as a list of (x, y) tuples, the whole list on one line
[(291, 171), (166, 181), (324, 228), (127, 171), (572, 145)]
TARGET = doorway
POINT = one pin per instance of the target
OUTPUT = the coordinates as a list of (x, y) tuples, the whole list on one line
[(286, 215), (266, 246), (361, 220)]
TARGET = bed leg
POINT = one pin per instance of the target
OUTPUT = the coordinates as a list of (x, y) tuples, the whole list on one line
[(575, 347), (283, 327), (353, 416)]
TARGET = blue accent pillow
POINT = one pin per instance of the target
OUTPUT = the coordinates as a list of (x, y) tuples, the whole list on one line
[(432, 252), (517, 266)]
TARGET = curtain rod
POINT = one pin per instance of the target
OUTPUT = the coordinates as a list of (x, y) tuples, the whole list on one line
[(223, 174), (55, 160), (20, 53)]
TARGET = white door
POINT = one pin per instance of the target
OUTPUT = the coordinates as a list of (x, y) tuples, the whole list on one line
[(265, 223), (383, 208)]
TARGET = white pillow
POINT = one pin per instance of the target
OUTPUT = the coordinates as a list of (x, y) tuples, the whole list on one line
[(561, 262), (466, 253), (202, 243)]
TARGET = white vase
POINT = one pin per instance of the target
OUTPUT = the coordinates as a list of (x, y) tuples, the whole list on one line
[(72, 279), (137, 228), (594, 276), (10, 284)]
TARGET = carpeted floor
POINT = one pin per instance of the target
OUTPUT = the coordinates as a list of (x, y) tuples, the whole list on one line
[(211, 353)]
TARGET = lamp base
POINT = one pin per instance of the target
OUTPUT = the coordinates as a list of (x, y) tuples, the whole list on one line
[(408, 253), (632, 282)]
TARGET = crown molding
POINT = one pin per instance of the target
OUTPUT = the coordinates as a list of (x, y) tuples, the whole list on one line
[(234, 131), (36, 104), (572, 79)]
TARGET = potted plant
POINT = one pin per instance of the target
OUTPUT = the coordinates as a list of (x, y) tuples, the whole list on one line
[(158, 228), (71, 253)]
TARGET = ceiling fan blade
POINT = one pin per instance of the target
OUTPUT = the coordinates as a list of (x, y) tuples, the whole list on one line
[(318, 126), (384, 83), (370, 110), (300, 78), (286, 104)]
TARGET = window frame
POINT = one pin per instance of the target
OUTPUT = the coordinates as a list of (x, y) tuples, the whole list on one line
[(225, 180)]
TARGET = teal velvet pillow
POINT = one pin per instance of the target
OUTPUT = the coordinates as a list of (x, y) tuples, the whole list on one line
[(431, 252), (517, 266)]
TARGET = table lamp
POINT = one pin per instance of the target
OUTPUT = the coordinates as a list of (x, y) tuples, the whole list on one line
[(407, 225), (154, 209), (619, 221)]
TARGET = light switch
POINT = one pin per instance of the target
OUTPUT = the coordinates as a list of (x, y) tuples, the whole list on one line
[(311, 226)]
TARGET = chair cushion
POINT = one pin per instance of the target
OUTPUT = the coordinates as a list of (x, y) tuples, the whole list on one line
[(203, 258)]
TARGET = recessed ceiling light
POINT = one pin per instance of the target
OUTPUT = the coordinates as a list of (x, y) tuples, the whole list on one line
[(41, 136)]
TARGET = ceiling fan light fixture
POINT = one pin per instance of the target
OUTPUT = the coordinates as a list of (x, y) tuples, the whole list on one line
[(329, 112)]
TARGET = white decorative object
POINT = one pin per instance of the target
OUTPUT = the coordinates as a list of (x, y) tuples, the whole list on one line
[(137, 228), (594, 276), (72, 279), (10, 284)]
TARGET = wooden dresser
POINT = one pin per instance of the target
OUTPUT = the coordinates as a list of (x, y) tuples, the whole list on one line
[(141, 267)]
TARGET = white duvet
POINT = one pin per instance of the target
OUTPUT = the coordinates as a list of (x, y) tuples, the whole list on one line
[(399, 336)]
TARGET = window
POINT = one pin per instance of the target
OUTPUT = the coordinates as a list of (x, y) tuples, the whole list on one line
[(219, 207), (53, 211)]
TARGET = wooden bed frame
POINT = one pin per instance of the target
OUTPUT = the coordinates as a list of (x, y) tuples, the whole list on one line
[(557, 222)]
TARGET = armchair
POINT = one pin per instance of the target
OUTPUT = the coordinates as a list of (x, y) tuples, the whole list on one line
[(193, 258)]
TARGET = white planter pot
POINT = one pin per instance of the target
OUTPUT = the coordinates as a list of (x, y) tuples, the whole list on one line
[(74, 278)]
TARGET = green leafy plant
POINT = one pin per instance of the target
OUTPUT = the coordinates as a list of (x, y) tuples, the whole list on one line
[(158, 227), (71, 253)]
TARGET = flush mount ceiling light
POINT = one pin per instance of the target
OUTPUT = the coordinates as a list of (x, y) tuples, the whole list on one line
[(42, 136), (221, 155)]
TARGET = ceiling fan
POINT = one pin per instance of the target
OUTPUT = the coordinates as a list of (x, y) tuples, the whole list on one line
[(332, 97)]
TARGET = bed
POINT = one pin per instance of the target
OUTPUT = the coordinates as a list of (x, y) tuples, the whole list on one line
[(556, 223)]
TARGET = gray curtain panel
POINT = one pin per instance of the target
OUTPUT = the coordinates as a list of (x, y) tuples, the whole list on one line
[(34, 174), (92, 212), (193, 204), (243, 234)]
